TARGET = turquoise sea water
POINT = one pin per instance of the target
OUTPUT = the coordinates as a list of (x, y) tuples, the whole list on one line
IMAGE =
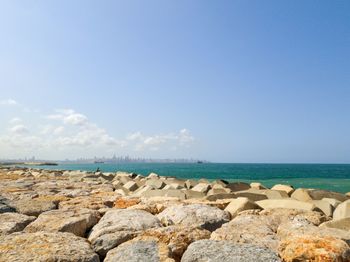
[(335, 177)]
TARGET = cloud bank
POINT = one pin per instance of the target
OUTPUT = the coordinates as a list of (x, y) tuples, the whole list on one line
[(66, 131)]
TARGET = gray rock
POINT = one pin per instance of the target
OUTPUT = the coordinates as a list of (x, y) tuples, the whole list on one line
[(205, 216), (118, 226), (4, 206), (238, 186), (221, 251), (145, 249)]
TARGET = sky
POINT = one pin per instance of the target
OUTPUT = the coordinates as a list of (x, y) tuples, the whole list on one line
[(224, 81)]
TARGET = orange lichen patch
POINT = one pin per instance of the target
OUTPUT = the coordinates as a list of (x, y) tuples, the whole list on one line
[(125, 203), (4, 176), (104, 194), (314, 249)]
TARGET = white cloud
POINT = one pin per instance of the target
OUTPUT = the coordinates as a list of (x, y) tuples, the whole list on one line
[(70, 132), (19, 129), (8, 102), (15, 120)]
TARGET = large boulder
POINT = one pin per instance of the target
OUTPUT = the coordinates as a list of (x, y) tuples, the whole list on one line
[(177, 238), (43, 246), (204, 216), (238, 186), (314, 248), (252, 194), (118, 226), (259, 227), (222, 251), (240, 204), (13, 222), (145, 249), (342, 210), (94, 202), (73, 221), (32, 207)]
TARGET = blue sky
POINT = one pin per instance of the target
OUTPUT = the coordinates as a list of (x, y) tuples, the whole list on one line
[(227, 81)]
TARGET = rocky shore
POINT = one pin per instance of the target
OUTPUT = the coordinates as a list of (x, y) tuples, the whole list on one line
[(50, 215)]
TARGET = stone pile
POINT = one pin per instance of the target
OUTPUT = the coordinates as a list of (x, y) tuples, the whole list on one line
[(50, 215)]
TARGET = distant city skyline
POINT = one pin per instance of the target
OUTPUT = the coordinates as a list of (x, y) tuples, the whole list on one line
[(225, 81)]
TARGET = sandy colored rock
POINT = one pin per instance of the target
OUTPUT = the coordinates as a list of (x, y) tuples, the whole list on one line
[(301, 194), (257, 185), (342, 210), (118, 226), (286, 188), (343, 224), (240, 204), (201, 187), (32, 207), (177, 238), (145, 249), (73, 221), (131, 186), (314, 248), (285, 203), (332, 201), (238, 186), (324, 206), (13, 222), (90, 202), (221, 251), (43, 247), (204, 216), (252, 194)]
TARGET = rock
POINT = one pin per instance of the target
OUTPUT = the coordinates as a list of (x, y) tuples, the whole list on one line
[(252, 194), (259, 227), (207, 217), (240, 204), (165, 193), (342, 210), (275, 194), (201, 187), (91, 202), (314, 248), (193, 194), (286, 188), (325, 206), (177, 238), (4, 206), (221, 251), (332, 201), (145, 249), (118, 226), (301, 194), (257, 185), (43, 246), (215, 191), (343, 224), (248, 229), (155, 183), (13, 222), (220, 196), (126, 202), (238, 186), (298, 226), (313, 194), (152, 175), (285, 203), (73, 221), (318, 194), (32, 207), (190, 183), (131, 186)]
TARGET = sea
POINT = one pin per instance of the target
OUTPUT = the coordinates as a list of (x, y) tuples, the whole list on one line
[(334, 177)]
